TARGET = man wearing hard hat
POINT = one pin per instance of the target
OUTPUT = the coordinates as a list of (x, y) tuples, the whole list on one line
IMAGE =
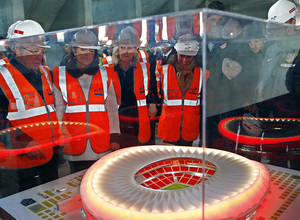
[(27, 97), (279, 56), (283, 11)]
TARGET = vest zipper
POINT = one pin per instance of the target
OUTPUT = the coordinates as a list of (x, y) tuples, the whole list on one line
[(46, 106), (182, 116)]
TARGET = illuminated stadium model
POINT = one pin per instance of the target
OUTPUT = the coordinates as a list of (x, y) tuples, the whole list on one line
[(165, 182)]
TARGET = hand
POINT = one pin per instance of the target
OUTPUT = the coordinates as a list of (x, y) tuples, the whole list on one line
[(253, 109), (114, 146), (152, 110), (34, 155)]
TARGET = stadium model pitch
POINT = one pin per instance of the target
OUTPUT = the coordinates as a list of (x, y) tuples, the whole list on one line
[(175, 186)]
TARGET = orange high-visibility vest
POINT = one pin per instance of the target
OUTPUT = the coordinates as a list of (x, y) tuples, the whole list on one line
[(141, 87), (143, 55), (158, 78), (106, 60), (26, 106), (91, 111), (4, 61), (180, 115)]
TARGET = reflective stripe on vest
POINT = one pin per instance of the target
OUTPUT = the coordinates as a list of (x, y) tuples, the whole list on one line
[(62, 82), (109, 59), (14, 89), (2, 62), (104, 78), (141, 102), (192, 102), (143, 56), (176, 102), (47, 77), (82, 108), (165, 83), (145, 75), (22, 113), (30, 113)]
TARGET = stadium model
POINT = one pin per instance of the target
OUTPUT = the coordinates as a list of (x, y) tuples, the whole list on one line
[(165, 182)]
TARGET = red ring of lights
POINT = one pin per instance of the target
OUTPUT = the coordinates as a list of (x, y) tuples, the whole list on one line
[(250, 140), (4, 152)]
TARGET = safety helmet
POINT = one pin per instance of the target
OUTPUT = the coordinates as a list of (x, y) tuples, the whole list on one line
[(186, 45), (252, 126), (129, 37), (11, 29), (85, 39), (28, 32), (282, 11), (27, 28)]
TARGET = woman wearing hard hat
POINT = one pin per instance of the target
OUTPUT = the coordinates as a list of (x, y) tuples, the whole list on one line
[(131, 78), (85, 88), (181, 82)]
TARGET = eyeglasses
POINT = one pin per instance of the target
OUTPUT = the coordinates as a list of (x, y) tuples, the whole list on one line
[(35, 51)]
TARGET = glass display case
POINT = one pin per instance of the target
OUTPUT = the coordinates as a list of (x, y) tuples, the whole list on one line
[(190, 115)]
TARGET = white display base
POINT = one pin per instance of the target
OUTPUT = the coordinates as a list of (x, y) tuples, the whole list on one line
[(47, 196), (282, 202)]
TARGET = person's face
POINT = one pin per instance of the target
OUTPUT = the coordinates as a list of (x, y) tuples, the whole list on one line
[(110, 51), (231, 29), (256, 45), (2, 54), (66, 50), (30, 56), (214, 23), (166, 49), (84, 57), (152, 49), (126, 53), (291, 30), (184, 60)]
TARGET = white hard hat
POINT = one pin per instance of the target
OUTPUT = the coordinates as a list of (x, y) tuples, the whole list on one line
[(28, 28), (85, 39), (129, 37), (252, 126), (11, 29), (186, 45), (282, 11)]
